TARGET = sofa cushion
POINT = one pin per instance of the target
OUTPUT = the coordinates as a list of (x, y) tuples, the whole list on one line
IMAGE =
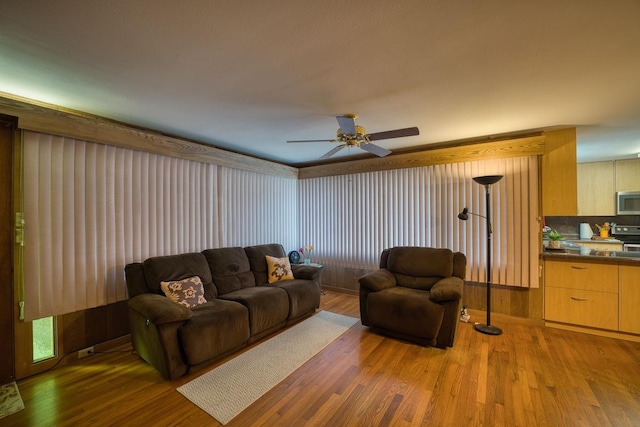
[(268, 306), (279, 269), (188, 292), (178, 267), (416, 282), (304, 296), (230, 269), (408, 311), (257, 259), (216, 327)]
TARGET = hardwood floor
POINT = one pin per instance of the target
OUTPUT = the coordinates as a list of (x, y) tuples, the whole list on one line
[(528, 376)]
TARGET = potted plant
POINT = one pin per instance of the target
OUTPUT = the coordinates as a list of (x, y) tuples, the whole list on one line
[(554, 239)]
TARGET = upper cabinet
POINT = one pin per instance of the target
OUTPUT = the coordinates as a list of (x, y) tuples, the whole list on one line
[(559, 193), (628, 175), (599, 181), (596, 188)]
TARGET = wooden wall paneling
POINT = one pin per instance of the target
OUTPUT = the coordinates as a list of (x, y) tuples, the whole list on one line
[(6, 245), (118, 320), (47, 118), (96, 325), (536, 303), (474, 296), (72, 331), (342, 278), (526, 302), (559, 173), (90, 327), (517, 147)]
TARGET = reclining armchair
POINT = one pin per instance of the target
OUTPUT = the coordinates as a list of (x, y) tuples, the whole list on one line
[(416, 295)]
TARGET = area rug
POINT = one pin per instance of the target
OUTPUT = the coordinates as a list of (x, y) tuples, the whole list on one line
[(10, 400), (228, 389)]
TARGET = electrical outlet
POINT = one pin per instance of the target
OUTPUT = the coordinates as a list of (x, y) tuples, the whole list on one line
[(85, 352)]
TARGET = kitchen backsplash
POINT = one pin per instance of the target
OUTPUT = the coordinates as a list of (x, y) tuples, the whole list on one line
[(569, 226)]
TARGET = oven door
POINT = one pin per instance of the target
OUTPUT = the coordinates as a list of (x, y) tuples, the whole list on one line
[(631, 247)]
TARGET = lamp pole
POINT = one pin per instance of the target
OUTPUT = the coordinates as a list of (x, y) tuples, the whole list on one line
[(487, 181)]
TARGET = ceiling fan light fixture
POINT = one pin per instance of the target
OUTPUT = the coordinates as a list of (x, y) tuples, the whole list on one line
[(358, 139)]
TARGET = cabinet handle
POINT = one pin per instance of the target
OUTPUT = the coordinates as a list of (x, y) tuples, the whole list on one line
[(578, 268), (579, 299)]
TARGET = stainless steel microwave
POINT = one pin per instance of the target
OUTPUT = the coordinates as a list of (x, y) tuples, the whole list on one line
[(628, 202)]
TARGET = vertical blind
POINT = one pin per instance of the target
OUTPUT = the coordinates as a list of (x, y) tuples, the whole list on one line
[(90, 209), (350, 219), (256, 209)]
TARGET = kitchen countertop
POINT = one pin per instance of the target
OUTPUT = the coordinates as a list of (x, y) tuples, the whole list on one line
[(609, 240), (585, 254)]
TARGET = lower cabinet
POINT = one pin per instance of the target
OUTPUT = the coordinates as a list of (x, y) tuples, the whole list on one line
[(629, 299), (592, 295), (586, 308), (581, 293)]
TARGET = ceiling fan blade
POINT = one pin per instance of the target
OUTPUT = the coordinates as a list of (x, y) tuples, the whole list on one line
[(313, 140), (347, 124), (398, 133), (333, 151), (374, 149)]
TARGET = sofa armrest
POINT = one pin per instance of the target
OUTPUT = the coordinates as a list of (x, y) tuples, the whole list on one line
[(379, 280), (306, 272), (159, 309), (447, 289)]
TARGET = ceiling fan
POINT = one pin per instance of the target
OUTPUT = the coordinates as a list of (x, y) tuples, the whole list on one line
[(352, 135)]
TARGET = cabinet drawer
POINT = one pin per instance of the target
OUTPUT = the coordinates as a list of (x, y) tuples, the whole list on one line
[(582, 275), (580, 307)]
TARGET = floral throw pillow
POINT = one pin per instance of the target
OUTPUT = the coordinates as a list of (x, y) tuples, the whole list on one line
[(188, 292), (279, 269)]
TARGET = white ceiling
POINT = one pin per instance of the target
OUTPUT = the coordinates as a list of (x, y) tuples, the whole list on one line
[(249, 75)]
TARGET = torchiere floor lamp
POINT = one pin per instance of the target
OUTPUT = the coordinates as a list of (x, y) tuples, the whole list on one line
[(487, 181)]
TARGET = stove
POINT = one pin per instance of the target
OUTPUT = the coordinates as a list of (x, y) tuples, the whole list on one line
[(629, 235)]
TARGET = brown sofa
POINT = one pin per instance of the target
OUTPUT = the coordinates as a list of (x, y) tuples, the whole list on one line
[(416, 295), (241, 305)]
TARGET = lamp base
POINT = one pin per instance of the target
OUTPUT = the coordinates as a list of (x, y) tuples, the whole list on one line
[(489, 329)]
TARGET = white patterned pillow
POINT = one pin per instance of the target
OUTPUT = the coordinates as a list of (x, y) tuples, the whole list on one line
[(188, 292), (279, 269)]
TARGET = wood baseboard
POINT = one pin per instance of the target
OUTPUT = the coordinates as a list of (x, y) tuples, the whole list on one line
[(340, 290), (593, 331)]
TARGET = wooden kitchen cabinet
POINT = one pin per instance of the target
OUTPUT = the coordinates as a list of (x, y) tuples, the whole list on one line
[(582, 293), (584, 308), (629, 299), (627, 175), (596, 188), (559, 176), (599, 181), (582, 275)]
